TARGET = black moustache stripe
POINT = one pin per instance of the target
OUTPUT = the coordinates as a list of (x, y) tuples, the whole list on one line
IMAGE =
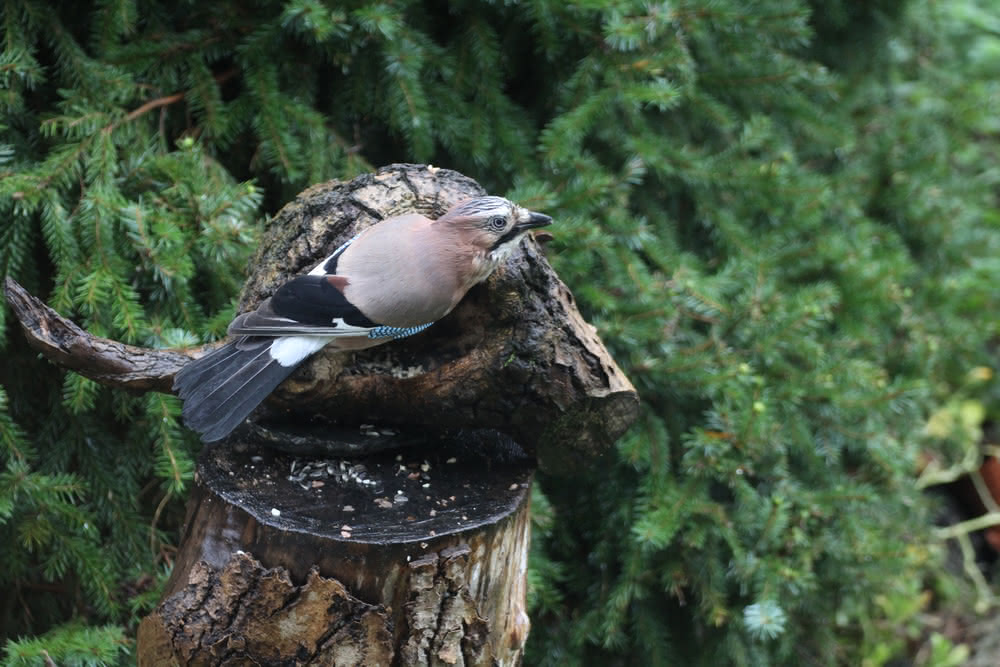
[(509, 236)]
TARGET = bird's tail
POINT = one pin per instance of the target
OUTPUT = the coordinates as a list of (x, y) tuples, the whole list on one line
[(222, 388)]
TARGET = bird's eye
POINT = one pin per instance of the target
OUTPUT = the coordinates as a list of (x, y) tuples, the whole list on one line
[(496, 224)]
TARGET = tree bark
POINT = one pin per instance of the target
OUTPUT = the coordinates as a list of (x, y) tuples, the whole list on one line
[(415, 561), (106, 361)]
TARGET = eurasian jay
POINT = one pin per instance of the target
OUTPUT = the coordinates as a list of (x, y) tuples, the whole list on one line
[(392, 280)]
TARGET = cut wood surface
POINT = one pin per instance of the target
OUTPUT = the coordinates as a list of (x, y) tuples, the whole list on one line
[(416, 560)]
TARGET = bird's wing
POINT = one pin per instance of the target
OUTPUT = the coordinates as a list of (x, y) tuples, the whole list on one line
[(313, 305), (310, 304), (329, 265)]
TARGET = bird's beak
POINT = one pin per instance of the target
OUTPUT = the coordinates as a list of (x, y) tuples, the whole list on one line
[(535, 220)]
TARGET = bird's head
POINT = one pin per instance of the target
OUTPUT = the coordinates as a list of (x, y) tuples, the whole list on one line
[(493, 224)]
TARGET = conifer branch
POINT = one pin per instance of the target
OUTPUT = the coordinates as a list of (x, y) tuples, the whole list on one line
[(968, 526), (153, 104), (167, 100)]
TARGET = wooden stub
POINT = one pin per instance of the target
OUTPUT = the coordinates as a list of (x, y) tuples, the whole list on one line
[(248, 614), (415, 561), (106, 361)]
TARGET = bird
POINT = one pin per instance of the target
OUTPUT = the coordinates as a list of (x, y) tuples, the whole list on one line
[(393, 280)]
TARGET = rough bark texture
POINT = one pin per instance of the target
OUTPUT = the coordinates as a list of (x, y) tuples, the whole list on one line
[(248, 614), (105, 361), (400, 562), (515, 355)]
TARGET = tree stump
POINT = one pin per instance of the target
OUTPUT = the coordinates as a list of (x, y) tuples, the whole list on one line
[(415, 554), (415, 559)]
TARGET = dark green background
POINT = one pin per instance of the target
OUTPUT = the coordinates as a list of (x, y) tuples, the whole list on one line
[(780, 215)]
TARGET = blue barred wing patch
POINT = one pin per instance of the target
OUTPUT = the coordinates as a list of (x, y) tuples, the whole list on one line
[(396, 332)]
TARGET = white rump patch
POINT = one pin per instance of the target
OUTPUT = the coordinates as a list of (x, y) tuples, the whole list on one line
[(290, 350)]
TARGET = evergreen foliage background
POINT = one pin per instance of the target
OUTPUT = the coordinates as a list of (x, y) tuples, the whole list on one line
[(780, 215)]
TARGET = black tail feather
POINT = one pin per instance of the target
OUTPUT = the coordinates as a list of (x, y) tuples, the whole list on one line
[(222, 388), (230, 371), (206, 374), (200, 368)]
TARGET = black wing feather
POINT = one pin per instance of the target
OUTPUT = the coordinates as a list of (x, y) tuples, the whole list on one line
[(314, 300), (221, 389), (330, 267)]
